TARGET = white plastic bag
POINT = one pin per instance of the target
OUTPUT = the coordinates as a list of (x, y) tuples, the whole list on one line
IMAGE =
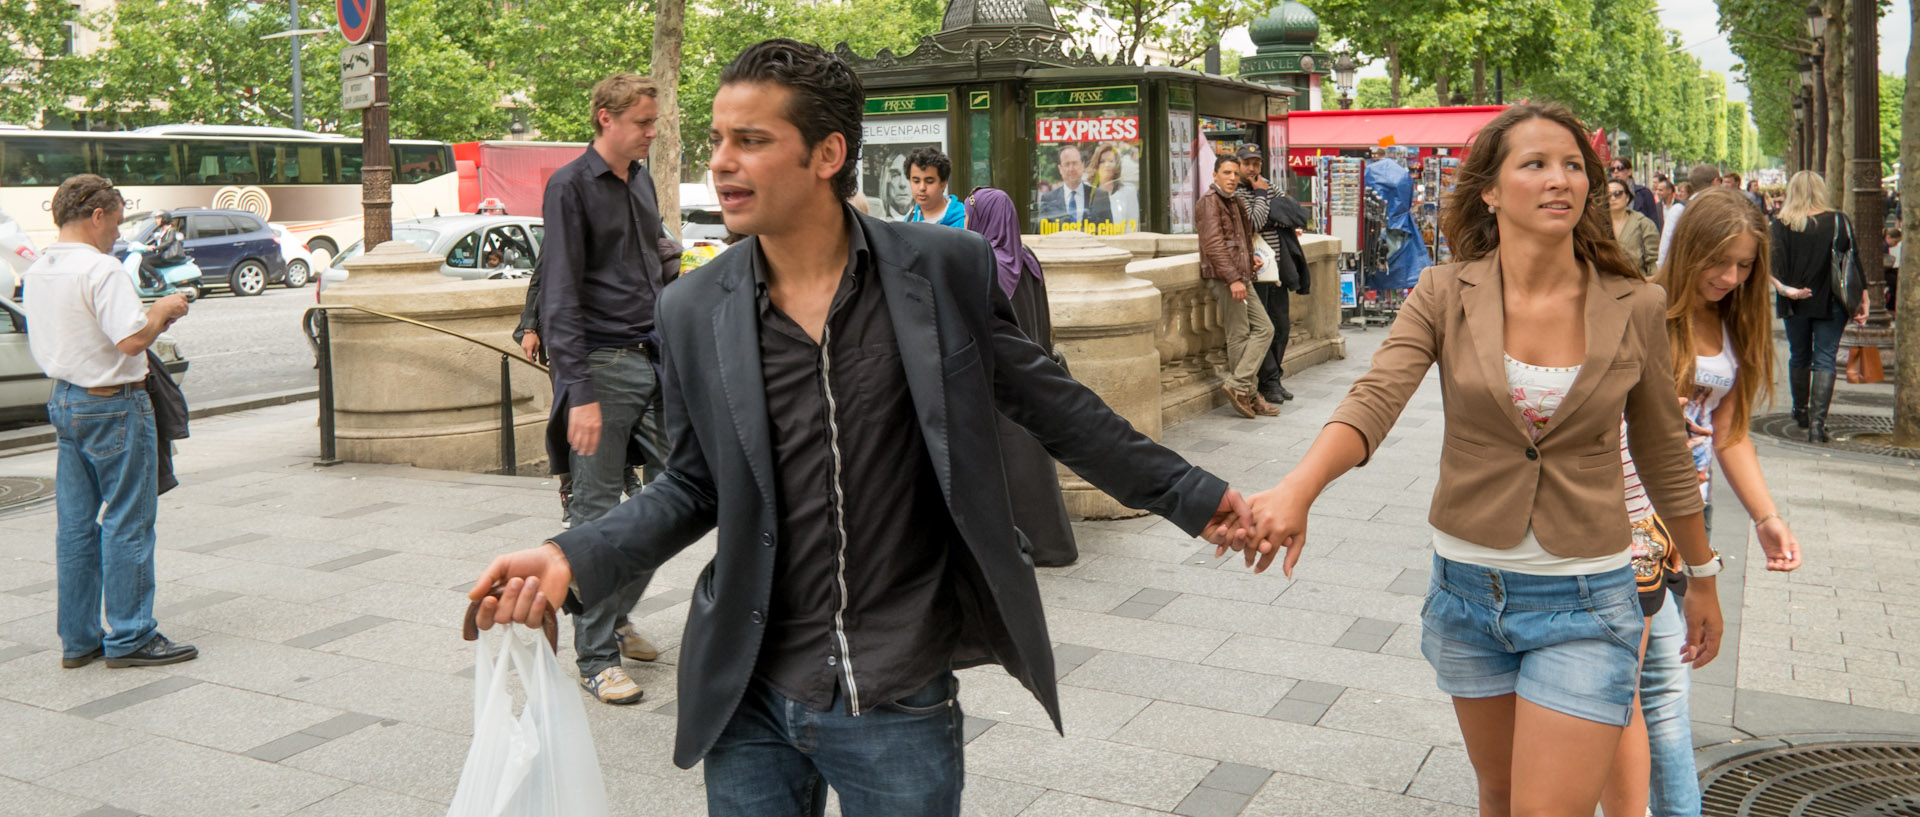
[(540, 764)]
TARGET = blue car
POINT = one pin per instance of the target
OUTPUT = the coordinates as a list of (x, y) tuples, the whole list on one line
[(233, 248)]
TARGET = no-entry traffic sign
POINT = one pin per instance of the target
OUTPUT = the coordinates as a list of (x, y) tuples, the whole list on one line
[(356, 19)]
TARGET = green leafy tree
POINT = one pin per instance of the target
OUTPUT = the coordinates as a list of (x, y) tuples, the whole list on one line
[(1185, 29), (1764, 35), (1893, 89), (1377, 92), (33, 38)]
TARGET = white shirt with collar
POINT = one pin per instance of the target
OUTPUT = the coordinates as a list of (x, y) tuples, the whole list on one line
[(79, 304)]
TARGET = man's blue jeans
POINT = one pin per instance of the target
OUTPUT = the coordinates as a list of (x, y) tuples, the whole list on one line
[(777, 757), (1674, 790), (106, 493), (630, 407)]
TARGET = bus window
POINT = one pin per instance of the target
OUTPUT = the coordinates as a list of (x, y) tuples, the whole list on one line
[(292, 164), (41, 162), (221, 163), (417, 163), (350, 160), (138, 161)]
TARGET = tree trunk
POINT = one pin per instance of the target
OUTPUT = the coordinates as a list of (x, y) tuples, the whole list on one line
[(1440, 94), (1837, 104), (1393, 70), (1480, 80), (669, 28), (1906, 349)]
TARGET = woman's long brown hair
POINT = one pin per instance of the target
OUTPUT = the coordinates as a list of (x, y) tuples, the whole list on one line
[(1711, 222), (1475, 233)]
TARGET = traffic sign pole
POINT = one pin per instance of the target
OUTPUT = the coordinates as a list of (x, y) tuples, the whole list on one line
[(376, 171)]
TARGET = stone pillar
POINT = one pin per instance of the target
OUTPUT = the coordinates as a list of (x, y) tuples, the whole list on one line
[(1316, 315), (407, 394), (1107, 325)]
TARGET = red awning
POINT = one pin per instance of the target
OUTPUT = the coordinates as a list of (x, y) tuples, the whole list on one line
[(1423, 127)]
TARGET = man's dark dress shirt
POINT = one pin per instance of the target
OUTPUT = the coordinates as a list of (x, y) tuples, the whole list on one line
[(602, 266), (861, 602)]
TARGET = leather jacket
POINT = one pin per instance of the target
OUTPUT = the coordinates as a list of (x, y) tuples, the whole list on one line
[(1226, 243)]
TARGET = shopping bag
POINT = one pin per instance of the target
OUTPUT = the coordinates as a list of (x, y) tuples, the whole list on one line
[(1269, 270), (1863, 365), (540, 763)]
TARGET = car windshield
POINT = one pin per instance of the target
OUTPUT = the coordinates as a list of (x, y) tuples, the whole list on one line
[(422, 239)]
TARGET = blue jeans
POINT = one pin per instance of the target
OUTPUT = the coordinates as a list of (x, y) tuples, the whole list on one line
[(630, 407), (1674, 790), (106, 493), (1813, 342), (777, 757)]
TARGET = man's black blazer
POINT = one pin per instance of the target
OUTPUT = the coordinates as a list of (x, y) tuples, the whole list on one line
[(964, 358)]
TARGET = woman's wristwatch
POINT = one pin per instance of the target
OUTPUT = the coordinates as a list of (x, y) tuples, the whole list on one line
[(1711, 568)]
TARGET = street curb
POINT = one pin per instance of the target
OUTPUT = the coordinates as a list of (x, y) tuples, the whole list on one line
[(43, 434)]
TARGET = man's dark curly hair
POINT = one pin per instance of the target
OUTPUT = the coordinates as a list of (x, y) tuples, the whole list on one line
[(826, 96), (932, 159)]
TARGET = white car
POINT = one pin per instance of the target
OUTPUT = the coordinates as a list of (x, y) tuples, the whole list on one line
[(300, 262), (16, 254)]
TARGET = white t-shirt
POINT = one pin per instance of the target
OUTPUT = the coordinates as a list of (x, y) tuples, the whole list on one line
[(1537, 392), (1666, 231), (1712, 380), (79, 303)]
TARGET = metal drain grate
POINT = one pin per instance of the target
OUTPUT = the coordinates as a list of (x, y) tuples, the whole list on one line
[(22, 493), (1858, 433), (1820, 780)]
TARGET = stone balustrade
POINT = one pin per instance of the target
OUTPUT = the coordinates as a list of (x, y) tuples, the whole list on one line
[(1140, 328)]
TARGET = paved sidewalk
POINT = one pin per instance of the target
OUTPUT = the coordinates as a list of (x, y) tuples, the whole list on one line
[(332, 680)]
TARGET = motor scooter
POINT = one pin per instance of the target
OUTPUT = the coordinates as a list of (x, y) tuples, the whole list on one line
[(182, 276)]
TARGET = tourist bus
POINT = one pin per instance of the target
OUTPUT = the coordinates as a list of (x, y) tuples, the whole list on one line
[(307, 182)]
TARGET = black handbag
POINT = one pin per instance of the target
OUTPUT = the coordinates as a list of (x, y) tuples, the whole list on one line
[(1843, 268)]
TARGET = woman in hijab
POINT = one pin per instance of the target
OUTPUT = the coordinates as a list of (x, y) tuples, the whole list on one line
[(1038, 510)]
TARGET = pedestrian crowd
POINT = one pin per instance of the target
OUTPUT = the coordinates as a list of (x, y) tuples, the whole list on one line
[(869, 413)]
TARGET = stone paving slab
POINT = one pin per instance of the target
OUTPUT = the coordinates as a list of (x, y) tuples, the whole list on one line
[(332, 681)]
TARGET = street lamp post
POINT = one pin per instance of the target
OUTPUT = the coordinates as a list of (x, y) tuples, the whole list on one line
[(1868, 205), (1817, 29), (293, 33), (1343, 80), (1799, 133)]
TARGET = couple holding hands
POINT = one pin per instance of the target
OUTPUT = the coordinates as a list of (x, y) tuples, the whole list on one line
[(866, 546)]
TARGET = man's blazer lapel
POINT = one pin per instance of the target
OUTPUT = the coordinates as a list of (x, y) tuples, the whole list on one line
[(916, 328), (736, 338)]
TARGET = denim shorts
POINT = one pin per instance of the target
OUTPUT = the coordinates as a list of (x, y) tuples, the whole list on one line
[(1567, 643)]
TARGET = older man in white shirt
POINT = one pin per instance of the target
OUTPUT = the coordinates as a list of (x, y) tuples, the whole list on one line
[(88, 332)]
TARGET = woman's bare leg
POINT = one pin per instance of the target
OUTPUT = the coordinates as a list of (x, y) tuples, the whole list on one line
[(1626, 791), (1560, 762), (1487, 726)]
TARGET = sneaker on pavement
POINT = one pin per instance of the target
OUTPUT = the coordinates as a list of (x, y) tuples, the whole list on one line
[(631, 483), (634, 645), (613, 686), (156, 652), (1239, 402), (1262, 407), (566, 508)]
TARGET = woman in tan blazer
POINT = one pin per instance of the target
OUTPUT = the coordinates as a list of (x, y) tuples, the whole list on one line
[(1638, 238), (1545, 336)]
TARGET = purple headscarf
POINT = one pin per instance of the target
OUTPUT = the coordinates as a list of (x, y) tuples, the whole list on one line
[(990, 213)]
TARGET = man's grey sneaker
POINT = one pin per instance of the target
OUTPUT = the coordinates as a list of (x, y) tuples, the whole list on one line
[(614, 687), (566, 508), (156, 652), (632, 482), (634, 645)]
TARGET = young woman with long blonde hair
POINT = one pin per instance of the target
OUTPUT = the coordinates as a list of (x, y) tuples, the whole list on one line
[(1805, 236), (1545, 336)]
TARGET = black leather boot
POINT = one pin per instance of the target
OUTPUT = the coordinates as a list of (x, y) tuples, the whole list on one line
[(1817, 404), (1799, 381)]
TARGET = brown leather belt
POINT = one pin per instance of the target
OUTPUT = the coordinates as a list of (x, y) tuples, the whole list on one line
[(109, 391)]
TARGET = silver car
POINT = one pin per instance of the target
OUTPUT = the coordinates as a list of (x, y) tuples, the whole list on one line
[(471, 247), (24, 389)]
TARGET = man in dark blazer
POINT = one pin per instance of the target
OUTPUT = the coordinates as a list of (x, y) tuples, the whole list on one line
[(1074, 201), (831, 389)]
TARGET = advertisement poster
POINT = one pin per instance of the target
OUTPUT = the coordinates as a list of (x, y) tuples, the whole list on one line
[(1184, 176), (886, 143), (1087, 172)]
